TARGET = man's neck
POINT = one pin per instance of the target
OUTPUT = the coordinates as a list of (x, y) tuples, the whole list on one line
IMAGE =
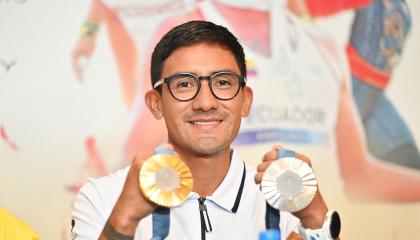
[(208, 171)]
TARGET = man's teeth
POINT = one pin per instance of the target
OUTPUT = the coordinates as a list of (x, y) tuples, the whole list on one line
[(205, 123)]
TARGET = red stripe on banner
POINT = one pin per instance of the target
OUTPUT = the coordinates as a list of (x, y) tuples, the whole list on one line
[(363, 70), (6, 139), (325, 8)]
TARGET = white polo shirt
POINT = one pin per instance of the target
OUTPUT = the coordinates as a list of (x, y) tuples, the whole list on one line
[(233, 214)]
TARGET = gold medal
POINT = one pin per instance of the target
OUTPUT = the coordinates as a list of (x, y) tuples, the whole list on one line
[(289, 184), (165, 180)]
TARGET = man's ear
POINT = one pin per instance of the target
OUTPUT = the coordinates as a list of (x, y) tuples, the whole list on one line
[(153, 100), (247, 101)]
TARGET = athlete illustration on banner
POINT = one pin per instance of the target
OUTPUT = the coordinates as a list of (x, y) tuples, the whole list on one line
[(376, 43), (291, 66), (377, 38)]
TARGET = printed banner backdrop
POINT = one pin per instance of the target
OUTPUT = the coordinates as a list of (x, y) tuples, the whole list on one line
[(72, 108)]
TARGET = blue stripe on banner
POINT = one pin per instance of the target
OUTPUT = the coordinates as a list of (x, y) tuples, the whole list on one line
[(281, 135)]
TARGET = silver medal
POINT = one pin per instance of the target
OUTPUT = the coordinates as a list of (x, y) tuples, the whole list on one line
[(289, 184)]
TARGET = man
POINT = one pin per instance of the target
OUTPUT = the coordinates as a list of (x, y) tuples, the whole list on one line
[(198, 74)]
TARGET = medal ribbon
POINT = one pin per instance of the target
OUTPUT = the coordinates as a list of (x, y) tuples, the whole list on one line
[(272, 215), (160, 216)]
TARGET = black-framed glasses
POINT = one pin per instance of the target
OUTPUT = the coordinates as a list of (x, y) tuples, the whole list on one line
[(185, 86)]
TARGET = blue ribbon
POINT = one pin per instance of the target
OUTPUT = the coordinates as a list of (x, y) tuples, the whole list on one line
[(160, 216), (282, 153), (272, 215)]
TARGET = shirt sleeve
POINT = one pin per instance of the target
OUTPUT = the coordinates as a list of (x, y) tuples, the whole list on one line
[(93, 205), (87, 218), (288, 223)]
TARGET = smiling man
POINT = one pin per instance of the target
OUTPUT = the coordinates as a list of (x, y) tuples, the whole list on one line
[(198, 76)]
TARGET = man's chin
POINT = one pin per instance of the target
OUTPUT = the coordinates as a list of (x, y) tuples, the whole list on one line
[(206, 148)]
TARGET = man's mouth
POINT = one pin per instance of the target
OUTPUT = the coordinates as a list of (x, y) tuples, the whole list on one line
[(206, 123)]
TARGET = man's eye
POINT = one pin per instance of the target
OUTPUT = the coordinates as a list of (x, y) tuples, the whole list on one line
[(184, 84), (223, 82)]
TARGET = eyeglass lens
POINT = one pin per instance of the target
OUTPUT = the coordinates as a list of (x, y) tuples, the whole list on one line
[(185, 86)]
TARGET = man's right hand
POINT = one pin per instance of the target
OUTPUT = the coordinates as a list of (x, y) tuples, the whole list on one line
[(131, 205)]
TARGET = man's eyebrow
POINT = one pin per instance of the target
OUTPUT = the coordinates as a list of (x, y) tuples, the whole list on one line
[(181, 72), (224, 70), (211, 73)]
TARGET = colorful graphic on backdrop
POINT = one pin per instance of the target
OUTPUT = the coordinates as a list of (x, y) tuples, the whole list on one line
[(287, 53)]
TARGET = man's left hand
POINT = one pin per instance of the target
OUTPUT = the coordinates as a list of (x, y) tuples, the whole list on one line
[(312, 216)]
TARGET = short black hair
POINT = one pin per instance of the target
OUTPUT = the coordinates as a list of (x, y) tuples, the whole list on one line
[(192, 33)]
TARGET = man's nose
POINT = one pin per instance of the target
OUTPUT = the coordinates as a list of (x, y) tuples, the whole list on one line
[(205, 100)]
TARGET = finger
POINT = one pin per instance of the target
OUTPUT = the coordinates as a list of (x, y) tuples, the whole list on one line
[(304, 158), (277, 147), (258, 177), (140, 159), (298, 155), (270, 156), (294, 236), (263, 166)]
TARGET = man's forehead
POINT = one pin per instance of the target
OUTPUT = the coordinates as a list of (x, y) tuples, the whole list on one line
[(200, 59), (208, 45)]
